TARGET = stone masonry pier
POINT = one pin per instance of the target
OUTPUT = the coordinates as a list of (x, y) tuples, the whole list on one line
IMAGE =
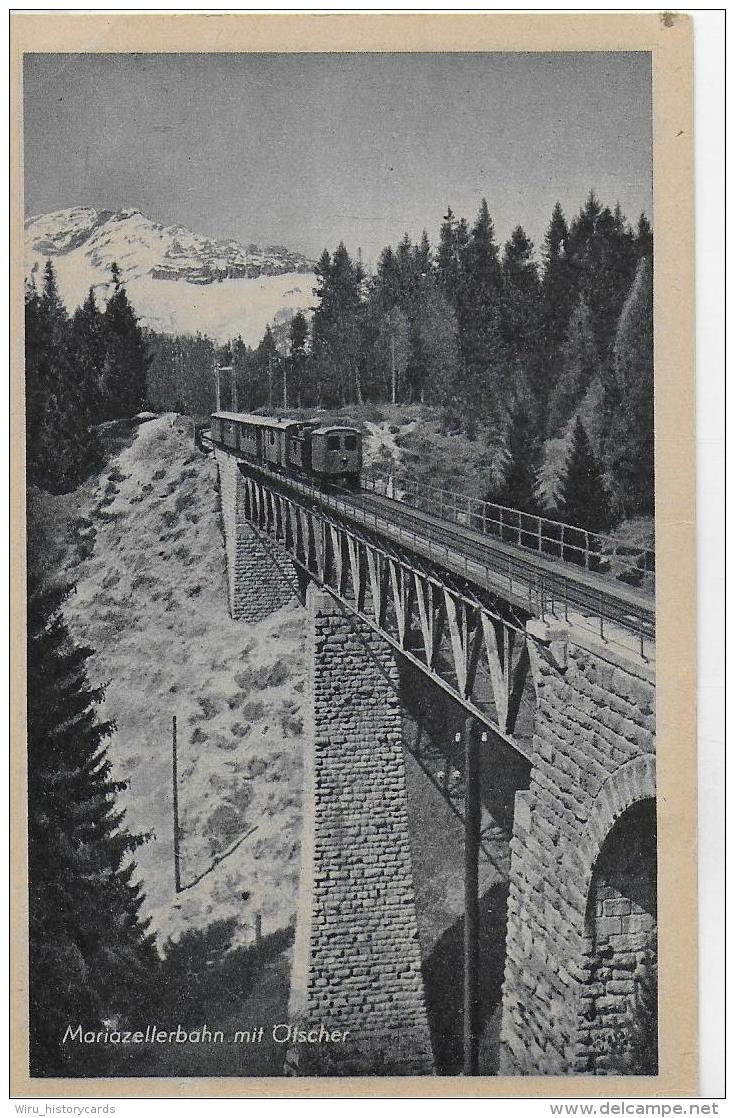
[(260, 574), (357, 964), (581, 911)]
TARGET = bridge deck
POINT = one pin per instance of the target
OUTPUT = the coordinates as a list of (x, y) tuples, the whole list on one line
[(536, 584)]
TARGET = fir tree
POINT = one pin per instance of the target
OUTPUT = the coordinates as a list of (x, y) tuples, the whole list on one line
[(337, 329), (90, 954), (628, 404), (523, 451), (88, 349), (521, 302), (558, 292), (127, 358), (479, 316), (61, 447), (297, 358), (644, 238), (583, 500), (580, 362)]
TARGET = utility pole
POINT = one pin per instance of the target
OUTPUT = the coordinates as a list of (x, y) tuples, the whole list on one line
[(472, 809), (270, 381), (393, 365), (284, 366), (175, 776), (217, 387)]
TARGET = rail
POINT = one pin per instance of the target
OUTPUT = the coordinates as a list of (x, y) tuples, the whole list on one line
[(533, 581), (595, 551), (533, 584)]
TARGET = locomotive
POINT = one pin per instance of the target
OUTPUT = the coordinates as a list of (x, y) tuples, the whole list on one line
[(328, 454)]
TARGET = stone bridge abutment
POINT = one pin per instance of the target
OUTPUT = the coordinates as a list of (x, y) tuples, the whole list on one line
[(565, 1007)]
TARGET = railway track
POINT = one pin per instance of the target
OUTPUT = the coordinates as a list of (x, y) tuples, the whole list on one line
[(537, 584), (534, 582)]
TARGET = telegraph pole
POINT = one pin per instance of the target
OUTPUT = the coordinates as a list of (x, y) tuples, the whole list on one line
[(217, 387), (393, 365), (284, 365), (472, 809), (270, 381), (175, 781)]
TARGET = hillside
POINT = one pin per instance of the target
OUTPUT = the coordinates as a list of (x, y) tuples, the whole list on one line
[(178, 281), (144, 548)]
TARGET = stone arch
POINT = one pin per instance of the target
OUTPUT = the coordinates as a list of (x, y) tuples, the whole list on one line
[(618, 1033), (628, 785)]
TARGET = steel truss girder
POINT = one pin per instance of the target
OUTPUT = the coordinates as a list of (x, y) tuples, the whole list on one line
[(398, 597)]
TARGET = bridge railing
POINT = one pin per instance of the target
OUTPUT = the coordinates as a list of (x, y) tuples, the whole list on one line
[(594, 551), (548, 593)]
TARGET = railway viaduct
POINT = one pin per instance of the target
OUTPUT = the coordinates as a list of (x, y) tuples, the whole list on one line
[(540, 658)]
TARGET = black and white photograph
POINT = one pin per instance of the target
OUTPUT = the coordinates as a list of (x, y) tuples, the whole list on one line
[(340, 504)]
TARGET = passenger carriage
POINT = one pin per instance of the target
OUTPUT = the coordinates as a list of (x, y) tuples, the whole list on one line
[(327, 453)]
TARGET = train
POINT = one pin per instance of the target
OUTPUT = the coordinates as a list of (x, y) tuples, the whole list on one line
[(328, 454)]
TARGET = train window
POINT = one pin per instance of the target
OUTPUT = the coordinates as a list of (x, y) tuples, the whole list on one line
[(333, 442), (350, 442)]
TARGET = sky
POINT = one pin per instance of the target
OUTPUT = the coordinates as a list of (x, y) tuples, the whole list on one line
[(305, 150)]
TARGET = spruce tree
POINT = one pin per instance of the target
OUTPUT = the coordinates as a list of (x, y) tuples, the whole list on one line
[(580, 362), (61, 448), (583, 499), (518, 490), (628, 447), (88, 349), (297, 358), (337, 329), (483, 351), (127, 358), (644, 238), (521, 304), (558, 293), (90, 954)]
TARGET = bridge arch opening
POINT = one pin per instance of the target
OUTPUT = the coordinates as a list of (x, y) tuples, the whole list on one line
[(621, 1034)]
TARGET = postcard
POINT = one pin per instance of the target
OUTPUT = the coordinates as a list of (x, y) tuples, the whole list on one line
[(353, 552)]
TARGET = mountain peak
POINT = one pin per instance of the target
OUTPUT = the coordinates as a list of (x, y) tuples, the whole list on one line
[(168, 269)]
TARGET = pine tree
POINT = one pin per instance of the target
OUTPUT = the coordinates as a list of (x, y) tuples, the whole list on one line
[(644, 238), (521, 303), (88, 349), (580, 363), (337, 329), (583, 500), (297, 357), (628, 406), (61, 448), (127, 358), (90, 954), (266, 362), (558, 293), (483, 351), (523, 454)]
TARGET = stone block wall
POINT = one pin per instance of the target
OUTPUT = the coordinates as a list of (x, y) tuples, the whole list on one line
[(357, 964), (593, 760), (260, 574)]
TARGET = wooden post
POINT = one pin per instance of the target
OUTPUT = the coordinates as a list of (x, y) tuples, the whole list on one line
[(392, 366), (235, 406), (175, 776), (471, 896)]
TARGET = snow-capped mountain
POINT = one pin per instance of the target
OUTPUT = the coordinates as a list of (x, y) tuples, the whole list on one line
[(177, 280)]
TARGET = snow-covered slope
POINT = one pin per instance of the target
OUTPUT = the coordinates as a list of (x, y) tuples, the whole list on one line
[(178, 281)]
